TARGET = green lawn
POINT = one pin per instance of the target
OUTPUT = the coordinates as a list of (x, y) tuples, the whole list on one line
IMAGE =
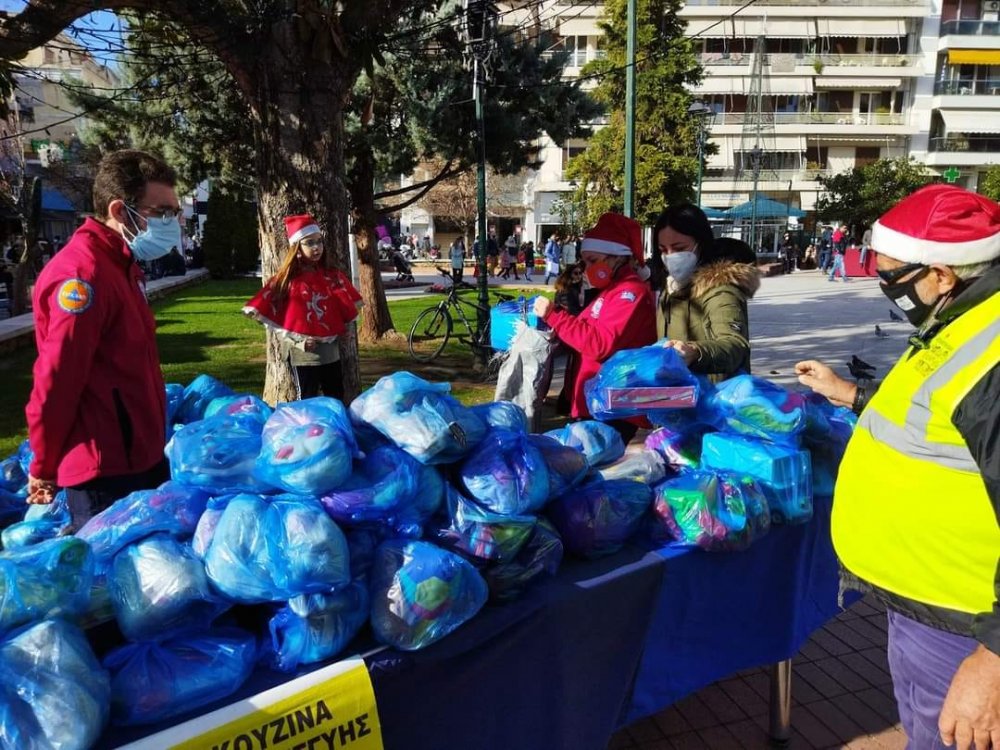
[(200, 329)]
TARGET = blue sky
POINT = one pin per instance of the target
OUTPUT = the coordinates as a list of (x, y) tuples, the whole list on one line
[(97, 30)]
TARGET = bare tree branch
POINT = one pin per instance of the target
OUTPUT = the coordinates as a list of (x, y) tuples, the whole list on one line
[(446, 172)]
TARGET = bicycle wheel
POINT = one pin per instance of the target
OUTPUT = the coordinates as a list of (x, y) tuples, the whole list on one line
[(430, 333)]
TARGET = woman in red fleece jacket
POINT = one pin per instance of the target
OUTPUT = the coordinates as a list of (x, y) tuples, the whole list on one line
[(622, 316)]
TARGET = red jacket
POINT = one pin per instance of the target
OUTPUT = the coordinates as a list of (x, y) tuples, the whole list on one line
[(98, 406), (623, 316)]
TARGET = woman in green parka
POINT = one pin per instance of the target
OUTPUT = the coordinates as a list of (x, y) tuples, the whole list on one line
[(709, 283)]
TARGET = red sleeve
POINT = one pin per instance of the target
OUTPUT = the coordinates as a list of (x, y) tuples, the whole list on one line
[(597, 338), (67, 333)]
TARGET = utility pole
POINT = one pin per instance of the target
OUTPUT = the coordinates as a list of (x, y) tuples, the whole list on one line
[(480, 22), (630, 111), (700, 110)]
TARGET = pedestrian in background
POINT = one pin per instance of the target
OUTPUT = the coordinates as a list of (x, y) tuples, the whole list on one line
[(553, 255), (457, 255), (529, 260)]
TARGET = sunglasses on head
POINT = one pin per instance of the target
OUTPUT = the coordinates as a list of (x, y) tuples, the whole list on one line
[(894, 275)]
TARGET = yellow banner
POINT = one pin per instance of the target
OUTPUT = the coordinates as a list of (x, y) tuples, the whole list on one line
[(333, 707), (974, 57)]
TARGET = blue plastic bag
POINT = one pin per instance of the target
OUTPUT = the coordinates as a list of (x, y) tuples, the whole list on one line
[(600, 443), (151, 682), (507, 317), (48, 579), (653, 366), (40, 522), (171, 508), (205, 529), (421, 593), (828, 430), (420, 417), (388, 487), (53, 692), (540, 556), (680, 445), (644, 466), (12, 508), (175, 397), (159, 587), (712, 510), (317, 627), (756, 408), (567, 466), (480, 533), (12, 477), (271, 549), (198, 395), (241, 403), (218, 454), (307, 447), (505, 415), (506, 474), (597, 518), (25, 456), (784, 472)]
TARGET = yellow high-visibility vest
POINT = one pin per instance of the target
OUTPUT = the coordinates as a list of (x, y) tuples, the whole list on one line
[(911, 513)]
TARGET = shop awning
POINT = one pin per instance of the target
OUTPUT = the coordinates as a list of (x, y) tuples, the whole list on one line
[(969, 121), (799, 85), (53, 200), (974, 56), (860, 27), (785, 28), (868, 84), (579, 27), (721, 85), (766, 209), (710, 28)]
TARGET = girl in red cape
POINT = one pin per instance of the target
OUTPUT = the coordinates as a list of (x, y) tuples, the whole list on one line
[(308, 305)]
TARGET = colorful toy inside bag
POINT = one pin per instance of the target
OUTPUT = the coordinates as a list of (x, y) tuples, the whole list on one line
[(271, 549), (175, 397), (506, 474), (653, 366), (567, 466), (420, 417), (159, 587), (600, 443), (757, 408), (217, 454), (644, 466), (205, 529), (40, 522), (241, 403), (198, 394), (505, 415), (171, 508), (680, 445), (480, 533), (307, 447), (388, 487), (49, 579), (597, 518), (151, 682), (421, 593), (540, 556), (715, 511), (12, 477), (784, 472), (53, 692), (317, 627)]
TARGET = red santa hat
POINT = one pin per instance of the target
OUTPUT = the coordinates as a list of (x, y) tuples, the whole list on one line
[(299, 227), (940, 224), (615, 234)]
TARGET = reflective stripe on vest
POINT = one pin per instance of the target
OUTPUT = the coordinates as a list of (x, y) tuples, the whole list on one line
[(911, 512)]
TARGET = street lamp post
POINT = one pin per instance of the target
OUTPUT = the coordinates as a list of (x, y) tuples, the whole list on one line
[(699, 110)]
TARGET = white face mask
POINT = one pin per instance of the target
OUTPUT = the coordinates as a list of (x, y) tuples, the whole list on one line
[(680, 266)]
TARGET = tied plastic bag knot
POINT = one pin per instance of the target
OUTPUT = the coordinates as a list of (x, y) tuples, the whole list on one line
[(317, 627), (600, 443)]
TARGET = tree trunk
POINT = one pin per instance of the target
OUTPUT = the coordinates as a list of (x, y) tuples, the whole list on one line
[(20, 293), (302, 84), (30, 208), (376, 320)]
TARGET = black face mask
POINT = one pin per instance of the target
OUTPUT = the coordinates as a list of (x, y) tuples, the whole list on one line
[(904, 295)]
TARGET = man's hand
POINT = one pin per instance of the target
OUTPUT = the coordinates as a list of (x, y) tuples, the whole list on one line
[(826, 382), (542, 307), (310, 345), (686, 349), (970, 716), (41, 491)]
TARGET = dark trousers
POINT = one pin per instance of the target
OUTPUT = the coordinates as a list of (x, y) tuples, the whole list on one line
[(456, 274), (89, 499), (315, 380)]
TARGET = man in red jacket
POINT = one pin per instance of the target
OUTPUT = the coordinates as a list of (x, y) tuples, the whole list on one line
[(622, 316), (97, 413)]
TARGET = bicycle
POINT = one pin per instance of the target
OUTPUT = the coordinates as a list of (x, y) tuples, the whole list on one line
[(434, 326)]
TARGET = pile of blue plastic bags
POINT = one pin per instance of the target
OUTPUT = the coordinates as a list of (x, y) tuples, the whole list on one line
[(401, 516)]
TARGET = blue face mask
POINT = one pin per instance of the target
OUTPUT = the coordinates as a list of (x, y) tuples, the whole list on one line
[(156, 240)]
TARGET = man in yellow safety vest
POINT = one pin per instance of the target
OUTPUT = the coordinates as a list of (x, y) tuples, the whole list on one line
[(916, 512)]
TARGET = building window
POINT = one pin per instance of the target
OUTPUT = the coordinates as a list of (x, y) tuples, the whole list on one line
[(864, 155)]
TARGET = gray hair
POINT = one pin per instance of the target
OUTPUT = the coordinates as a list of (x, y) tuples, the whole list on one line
[(974, 270)]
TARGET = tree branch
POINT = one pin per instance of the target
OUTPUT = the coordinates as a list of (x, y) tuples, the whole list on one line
[(444, 174), (410, 201)]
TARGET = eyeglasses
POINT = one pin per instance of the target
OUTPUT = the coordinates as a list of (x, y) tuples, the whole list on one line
[(894, 275), (313, 243), (165, 215)]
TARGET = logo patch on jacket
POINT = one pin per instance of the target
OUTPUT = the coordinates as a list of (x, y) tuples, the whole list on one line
[(595, 311), (75, 296), (628, 296)]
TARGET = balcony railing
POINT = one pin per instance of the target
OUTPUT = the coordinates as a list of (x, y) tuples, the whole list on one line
[(830, 3), (971, 26), (809, 59), (985, 86), (966, 143), (811, 118)]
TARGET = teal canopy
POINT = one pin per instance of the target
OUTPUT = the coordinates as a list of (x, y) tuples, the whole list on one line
[(714, 213), (766, 209)]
